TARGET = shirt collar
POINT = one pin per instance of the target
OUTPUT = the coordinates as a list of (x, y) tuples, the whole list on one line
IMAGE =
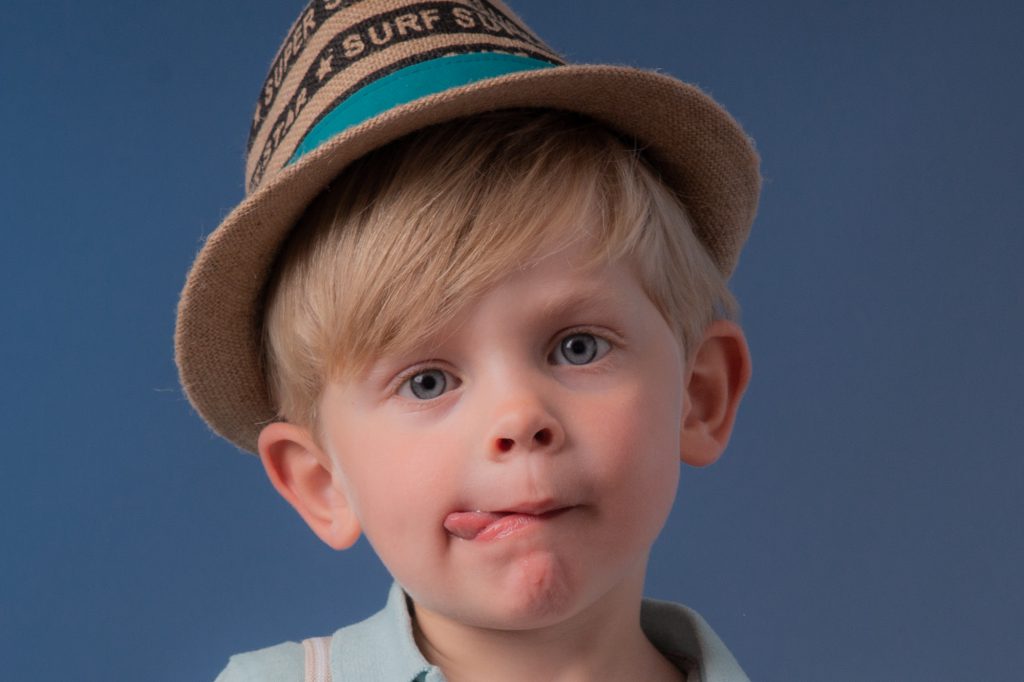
[(679, 632), (383, 646)]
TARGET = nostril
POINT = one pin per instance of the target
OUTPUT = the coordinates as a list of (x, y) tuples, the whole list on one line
[(543, 437), (504, 444)]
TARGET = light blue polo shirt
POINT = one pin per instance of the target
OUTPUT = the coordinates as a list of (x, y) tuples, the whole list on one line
[(382, 649)]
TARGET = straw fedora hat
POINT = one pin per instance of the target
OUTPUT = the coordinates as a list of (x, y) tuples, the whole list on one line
[(353, 75)]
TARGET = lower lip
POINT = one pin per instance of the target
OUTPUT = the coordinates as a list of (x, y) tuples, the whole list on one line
[(513, 524)]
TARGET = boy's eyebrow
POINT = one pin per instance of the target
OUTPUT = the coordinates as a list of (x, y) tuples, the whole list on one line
[(587, 299)]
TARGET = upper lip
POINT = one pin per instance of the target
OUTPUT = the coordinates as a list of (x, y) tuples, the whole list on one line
[(533, 508)]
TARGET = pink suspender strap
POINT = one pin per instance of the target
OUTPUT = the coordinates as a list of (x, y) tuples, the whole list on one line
[(318, 659)]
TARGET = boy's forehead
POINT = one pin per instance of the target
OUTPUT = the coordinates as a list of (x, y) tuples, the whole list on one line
[(521, 298), (560, 287), (569, 273)]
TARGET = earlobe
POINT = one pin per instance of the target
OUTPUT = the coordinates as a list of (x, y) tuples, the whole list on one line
[(304, 476), (716, 378)]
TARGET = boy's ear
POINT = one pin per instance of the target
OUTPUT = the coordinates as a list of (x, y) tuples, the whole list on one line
[(716, 377), (305, 476)]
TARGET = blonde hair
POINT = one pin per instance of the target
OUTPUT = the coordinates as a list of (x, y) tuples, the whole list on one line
[(410, 233)]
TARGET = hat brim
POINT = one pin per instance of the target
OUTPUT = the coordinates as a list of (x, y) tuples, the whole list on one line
[(701, 152)]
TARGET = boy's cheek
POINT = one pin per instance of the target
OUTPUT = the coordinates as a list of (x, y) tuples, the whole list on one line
[(390, 475)]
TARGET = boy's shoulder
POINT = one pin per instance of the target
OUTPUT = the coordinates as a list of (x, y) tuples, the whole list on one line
[(280, 663), (383, 647)]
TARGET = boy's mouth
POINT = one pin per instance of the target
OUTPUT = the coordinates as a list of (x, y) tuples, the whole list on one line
[(482, 526)]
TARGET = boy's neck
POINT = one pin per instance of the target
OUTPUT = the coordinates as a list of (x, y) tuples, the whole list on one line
[(604, 642)]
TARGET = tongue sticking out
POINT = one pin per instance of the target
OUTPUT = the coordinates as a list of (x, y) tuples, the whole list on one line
[(467, 525)]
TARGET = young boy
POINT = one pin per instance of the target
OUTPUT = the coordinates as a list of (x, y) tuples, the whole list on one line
[(475, 308)]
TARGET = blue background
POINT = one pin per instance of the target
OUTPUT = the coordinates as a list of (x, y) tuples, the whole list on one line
[(867, 517)]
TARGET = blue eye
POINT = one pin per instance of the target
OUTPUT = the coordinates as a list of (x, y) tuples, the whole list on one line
[(426, 385), (580, 349)]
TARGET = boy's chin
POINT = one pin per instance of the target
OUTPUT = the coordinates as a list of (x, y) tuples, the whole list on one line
[(535, 592)]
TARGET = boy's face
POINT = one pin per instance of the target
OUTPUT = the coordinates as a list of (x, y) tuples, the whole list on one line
[(514, 471)]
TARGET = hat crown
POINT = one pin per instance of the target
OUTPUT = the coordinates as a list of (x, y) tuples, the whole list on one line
[(343, 61)]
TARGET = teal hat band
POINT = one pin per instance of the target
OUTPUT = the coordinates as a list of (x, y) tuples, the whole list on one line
[(411, 83)]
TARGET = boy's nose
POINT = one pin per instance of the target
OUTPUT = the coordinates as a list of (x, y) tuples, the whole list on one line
[(525, 426)]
